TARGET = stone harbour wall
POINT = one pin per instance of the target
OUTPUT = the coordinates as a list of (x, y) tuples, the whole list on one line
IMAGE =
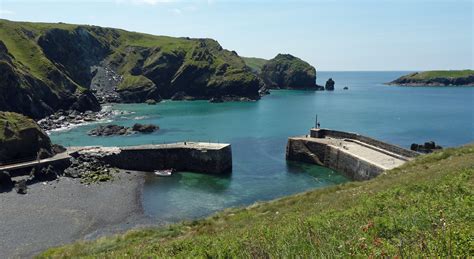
[(178, 157), (323, 133), (325, 155)]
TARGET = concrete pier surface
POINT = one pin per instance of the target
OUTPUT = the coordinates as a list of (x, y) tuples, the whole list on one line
[(357, 156)]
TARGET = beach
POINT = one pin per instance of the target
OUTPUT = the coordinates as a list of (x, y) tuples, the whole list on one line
[(64, 210)]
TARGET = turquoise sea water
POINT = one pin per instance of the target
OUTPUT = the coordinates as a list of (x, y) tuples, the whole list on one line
[(258, 132)]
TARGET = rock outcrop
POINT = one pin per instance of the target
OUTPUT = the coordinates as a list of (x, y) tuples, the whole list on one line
[(329, 85), (144, 128), (37, 93), (428, 147), (116, 130), (22, 139), (437, 78), (288, 72)]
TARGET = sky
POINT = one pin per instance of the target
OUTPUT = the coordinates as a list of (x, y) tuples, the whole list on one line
[(332, 35)]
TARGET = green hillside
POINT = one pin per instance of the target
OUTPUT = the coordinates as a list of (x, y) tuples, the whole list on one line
[(422, 209), (255, 64), (437, 77), (57, 59)]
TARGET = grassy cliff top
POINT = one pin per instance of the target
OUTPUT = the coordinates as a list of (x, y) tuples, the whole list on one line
[(15, 123), (423, 208), (255, 64), (440, 74), (437, 78), (291, 61)]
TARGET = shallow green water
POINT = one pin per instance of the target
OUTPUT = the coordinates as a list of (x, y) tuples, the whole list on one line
[(258, 132)]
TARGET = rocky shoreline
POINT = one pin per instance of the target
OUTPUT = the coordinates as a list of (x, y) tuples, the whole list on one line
[(71, 118)]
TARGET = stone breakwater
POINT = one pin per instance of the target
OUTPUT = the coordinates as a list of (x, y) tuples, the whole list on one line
[(199, 157), (357, 156), (183, 156)]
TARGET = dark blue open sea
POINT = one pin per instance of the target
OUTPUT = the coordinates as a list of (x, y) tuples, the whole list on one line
[(258, 132)]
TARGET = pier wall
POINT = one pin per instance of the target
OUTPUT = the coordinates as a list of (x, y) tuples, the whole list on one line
[(214, 160), (324, 133), (357, 156), (328, 156)]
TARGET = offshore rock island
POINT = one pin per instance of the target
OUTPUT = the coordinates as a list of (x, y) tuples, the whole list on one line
[(437, 78)]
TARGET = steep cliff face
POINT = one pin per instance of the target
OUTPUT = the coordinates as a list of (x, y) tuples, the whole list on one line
[(47, 67), (21, 138), (30, 83), (199, 68), (75, 51), (288, 72)]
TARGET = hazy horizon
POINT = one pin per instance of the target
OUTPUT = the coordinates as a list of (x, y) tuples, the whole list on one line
[(332, 35)]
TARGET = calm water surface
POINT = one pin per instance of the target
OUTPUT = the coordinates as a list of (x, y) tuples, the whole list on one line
[(258, 132)]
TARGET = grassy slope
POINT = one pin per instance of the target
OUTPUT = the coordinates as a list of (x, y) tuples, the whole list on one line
[(255, 64), (15, 122), (27, 52), (427, 75), (422, 208)]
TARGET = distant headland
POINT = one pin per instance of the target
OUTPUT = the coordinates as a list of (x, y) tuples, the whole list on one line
[(437, 78)]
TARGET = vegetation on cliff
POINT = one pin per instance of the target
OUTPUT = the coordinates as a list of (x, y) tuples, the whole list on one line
[(423, 208), (21, 138), (255, 64), (437, 78), (288, 72), (48, 66)]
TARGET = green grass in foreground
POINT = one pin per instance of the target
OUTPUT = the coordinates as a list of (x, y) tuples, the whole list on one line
[(424, 208)]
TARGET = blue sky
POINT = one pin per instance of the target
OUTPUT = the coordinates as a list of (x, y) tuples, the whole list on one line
[(329, 34)]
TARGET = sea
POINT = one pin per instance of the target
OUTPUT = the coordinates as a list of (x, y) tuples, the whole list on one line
[(258, 132)]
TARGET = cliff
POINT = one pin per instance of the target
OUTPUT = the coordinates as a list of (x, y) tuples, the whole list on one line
[(288, 72), (255, 64), (46, 67), (437, 78)]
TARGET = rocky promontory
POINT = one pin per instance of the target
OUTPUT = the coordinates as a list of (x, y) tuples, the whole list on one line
[(22, 139), (288, 72), (77, 67), (437, 78)]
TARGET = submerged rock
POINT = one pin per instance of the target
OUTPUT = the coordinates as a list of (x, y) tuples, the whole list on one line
[(145, 128)]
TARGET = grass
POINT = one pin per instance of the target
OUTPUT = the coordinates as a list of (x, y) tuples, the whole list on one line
[(255, 64), (422, 209), (131, 53), (14, 122), (441, 74)]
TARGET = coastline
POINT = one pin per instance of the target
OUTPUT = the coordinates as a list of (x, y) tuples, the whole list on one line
[(427, 85), (62, 211)]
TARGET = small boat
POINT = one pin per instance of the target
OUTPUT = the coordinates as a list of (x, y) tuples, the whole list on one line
[(165, 172)]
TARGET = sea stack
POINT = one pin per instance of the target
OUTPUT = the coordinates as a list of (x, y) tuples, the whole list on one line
[(329, 85)]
